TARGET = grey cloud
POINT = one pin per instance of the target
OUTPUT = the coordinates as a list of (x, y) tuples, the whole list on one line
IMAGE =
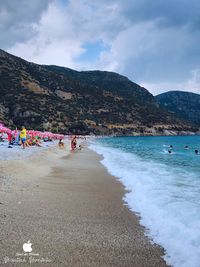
[(152, 42), (17, 19), (172, 12), (162, 55), (160, 43)]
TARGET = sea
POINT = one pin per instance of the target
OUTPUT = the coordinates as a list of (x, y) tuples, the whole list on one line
[(162, 188)]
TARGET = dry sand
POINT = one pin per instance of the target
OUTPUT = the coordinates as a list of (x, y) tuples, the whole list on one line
[(71, 210)]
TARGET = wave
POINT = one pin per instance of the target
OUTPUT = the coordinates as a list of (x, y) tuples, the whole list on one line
[(167, 200)]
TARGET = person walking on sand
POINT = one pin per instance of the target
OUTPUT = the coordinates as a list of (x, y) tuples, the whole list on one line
[(23, 136)]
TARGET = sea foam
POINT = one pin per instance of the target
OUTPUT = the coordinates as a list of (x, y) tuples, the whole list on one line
[(167, 200)]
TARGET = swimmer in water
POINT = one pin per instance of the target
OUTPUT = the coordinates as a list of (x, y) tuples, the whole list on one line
[(186, 147), (196, 151), (169, 151)]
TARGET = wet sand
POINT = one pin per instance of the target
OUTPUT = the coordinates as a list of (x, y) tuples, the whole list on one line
[(73, 216)]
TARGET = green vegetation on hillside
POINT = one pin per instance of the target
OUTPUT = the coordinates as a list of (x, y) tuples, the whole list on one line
[(67, 101)]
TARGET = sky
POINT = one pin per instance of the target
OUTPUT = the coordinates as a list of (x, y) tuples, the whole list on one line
[(155, 43)]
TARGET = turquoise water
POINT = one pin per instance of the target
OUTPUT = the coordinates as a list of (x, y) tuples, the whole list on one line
[(163, 188), (156, 148)]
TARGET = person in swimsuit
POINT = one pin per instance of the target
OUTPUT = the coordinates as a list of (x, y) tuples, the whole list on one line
[(73, 143), (61, 143)]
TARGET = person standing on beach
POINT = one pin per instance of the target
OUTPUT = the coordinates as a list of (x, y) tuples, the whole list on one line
[(23, 136), (73, 143), (9, 138), (17, 136)]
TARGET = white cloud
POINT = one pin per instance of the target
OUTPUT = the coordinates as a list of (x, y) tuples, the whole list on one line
[(54, 41), (189, 84), (149, 42), (60, 34), (17, 19)]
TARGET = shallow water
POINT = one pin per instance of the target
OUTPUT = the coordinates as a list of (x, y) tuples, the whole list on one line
[(164, 188)]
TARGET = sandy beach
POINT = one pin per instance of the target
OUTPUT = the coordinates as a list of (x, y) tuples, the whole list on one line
[(72, 212)]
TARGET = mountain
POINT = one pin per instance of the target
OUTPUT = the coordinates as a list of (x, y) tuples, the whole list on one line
[(68, 101), (184, 105)]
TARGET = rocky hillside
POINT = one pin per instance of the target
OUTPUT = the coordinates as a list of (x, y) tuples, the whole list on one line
[(184, 105), (67, 101)]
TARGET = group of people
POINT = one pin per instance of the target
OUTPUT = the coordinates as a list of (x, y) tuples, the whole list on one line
[(26, 140), (21, 138), (74, 145), (185, 147), (17, 138)]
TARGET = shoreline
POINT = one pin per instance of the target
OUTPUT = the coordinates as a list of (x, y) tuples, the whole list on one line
[(147, 135), (73, 214)]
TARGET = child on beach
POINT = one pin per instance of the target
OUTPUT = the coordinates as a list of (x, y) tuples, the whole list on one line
[(23, 136), (80, 147)]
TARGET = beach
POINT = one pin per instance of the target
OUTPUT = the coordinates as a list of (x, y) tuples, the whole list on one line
[(71, 210)]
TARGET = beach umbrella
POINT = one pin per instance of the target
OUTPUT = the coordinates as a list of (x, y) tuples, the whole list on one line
[(32, 133), (4, 129)]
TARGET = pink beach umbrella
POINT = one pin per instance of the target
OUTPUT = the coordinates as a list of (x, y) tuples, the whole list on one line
[(32, 133), (4, 129)]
